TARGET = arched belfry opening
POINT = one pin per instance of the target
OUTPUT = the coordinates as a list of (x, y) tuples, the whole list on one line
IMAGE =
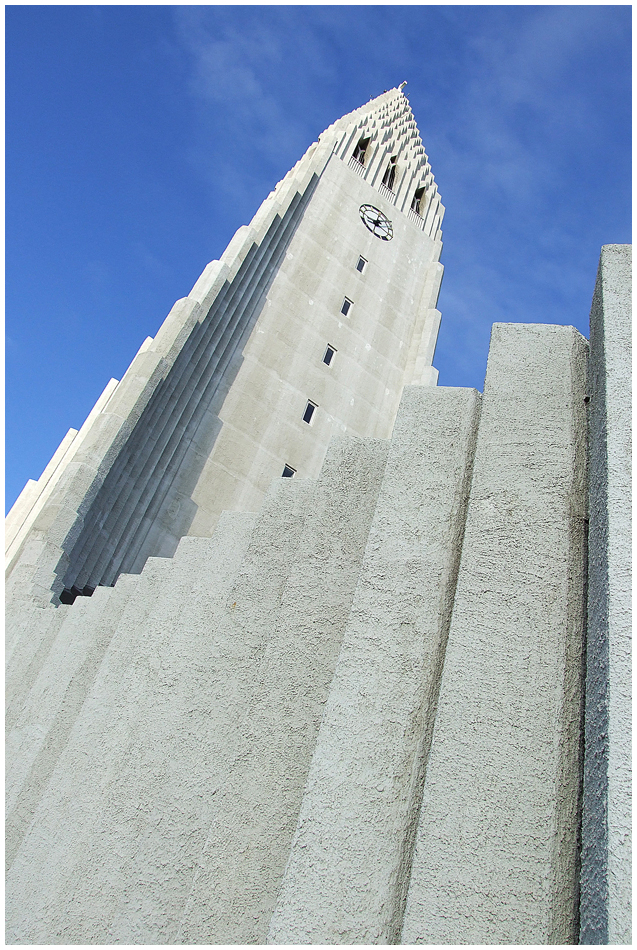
[(389, 177), (360, 152), (416, 202)]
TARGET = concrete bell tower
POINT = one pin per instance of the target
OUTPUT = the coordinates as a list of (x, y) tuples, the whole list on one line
[(317, 315), (350, 673)]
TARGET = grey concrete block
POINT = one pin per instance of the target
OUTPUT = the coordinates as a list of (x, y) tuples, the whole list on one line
[(123, 804), (496, 857), (606, 825), (280, 700), (346, 877)]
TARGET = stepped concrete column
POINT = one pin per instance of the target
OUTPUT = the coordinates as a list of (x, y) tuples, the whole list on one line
[(120, 811), (281, 696), (348, 869), (496, 858), (606, 824)]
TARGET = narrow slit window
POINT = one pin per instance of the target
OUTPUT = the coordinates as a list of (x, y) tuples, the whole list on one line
[(347, 306), (361, 150), (329, 355), (362, 264), (417, 199), (309, 412), (288, 472)]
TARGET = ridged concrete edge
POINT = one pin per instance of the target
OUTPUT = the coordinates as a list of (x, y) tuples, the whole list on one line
[(606, 827)]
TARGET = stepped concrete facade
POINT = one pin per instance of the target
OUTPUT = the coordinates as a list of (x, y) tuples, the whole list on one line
[(384, 699), (212, 408)]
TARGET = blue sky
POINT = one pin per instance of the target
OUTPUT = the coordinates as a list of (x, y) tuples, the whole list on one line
[(140, 137)]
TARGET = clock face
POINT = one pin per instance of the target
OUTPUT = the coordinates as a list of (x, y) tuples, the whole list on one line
[(378, 223)]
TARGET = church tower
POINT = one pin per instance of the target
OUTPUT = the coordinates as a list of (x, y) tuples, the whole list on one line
[(347, 673), (318, 314)]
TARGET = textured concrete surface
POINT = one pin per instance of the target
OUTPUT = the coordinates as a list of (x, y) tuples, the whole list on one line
[(606, 825), (39, 730), (496, 849), (284, 686), (346, 877), (30, 631), (286, 725), (124, 813)]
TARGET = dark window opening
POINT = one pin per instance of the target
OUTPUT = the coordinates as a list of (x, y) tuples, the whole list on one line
[(329, 355), (390, 174), (288, 472), (415, 205), (361, 264), (360, 150), (68, 595), (309, 412), (345, 309)]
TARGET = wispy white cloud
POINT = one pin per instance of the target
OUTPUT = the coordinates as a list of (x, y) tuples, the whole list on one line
[(519, 95), (242, 73), (510, 112), (524, 111), (275, 77)]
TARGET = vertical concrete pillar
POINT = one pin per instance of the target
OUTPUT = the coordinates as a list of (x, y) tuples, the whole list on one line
[(496, 851), (283, 692), (346, 877), (606, 823)]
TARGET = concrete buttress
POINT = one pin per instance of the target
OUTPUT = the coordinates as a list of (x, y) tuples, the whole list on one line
[(349, 865), (606, 826), (285, 683), (496, 857)]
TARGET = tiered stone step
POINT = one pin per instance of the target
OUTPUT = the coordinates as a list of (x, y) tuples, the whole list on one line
[(81, 646)]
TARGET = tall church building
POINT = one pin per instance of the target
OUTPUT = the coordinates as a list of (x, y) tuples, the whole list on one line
[(316, 316), (303, 648)]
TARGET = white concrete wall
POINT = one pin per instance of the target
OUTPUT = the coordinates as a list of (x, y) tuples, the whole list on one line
[(123, 808), (496, 858), (606, 831), (282, 368), (348, 869)]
